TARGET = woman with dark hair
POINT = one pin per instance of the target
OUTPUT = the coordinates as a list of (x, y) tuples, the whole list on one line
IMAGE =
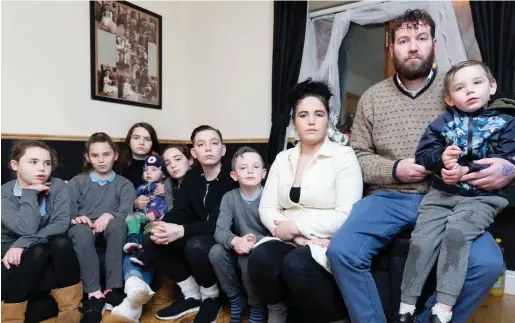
[(140, 141), (308, 195)]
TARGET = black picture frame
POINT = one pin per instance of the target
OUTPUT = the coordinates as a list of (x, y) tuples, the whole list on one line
[(126, 54)]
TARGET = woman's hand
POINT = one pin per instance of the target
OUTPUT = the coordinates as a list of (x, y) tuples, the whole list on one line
[(303, 241), (165, 233), (160, 190), (12, 257), (319, 242), (285, 230), (141, 202)]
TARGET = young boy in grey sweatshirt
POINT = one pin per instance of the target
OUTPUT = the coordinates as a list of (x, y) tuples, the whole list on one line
[(238, 228)]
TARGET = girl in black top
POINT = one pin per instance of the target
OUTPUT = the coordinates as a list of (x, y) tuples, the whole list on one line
[(140, 141)]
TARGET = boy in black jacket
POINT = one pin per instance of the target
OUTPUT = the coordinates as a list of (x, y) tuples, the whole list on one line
[(179, 244), (455, 213)]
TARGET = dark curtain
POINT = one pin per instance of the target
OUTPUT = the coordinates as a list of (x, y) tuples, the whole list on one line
[(289, 31), (494, 26), (343, 72)]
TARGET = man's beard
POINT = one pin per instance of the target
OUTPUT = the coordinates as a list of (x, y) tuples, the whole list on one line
[(412, 72)]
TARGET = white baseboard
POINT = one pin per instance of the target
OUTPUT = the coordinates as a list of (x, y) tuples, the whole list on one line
[(509, 287)]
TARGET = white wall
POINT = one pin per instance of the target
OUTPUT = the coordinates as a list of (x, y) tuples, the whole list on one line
[(217, 58), (229, 74)]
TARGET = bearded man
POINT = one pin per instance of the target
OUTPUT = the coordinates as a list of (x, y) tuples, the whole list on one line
[(391, 117)]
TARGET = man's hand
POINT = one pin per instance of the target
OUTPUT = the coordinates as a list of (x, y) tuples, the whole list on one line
[(101, 223), (453, 176), (450, 156), (12, 257), (409, 172), (499, 174)]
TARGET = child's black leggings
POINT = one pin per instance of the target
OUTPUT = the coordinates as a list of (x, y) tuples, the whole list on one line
[(43, 267), (183, 258)]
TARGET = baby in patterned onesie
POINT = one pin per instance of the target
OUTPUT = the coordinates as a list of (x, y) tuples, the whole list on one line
[(138, 222)]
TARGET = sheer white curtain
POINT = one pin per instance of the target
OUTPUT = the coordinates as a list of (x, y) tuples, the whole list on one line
[(466, 25), (320, 57)]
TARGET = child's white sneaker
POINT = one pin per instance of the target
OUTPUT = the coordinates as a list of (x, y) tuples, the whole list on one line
[(128, 312), (132, 243), (138, 292)]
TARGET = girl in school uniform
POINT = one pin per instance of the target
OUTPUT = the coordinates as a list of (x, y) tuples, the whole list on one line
[(37, 256), (100, 201), (178, 161)]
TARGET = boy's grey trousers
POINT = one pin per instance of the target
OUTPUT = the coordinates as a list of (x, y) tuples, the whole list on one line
[(446, 226), (226, 263), (84, 244)]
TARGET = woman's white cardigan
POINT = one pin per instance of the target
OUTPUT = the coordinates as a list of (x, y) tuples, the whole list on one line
[(331, 184)]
